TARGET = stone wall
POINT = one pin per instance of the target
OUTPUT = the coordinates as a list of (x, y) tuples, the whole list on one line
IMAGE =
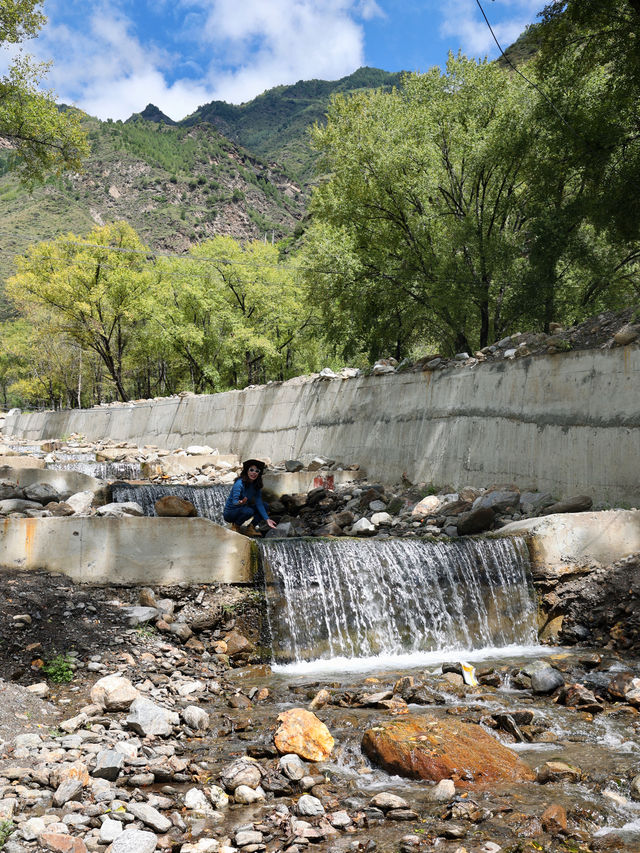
[(567, 423)]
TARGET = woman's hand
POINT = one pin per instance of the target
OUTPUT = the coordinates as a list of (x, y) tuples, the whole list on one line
[(271, 523), (242, 501)]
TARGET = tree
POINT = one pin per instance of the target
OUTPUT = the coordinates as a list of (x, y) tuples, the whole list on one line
[(96, 289), (43, 138), (232, 313), (426, 197)]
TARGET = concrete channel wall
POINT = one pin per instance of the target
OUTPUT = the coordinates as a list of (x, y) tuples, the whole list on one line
[(144, 551), (566, 423)]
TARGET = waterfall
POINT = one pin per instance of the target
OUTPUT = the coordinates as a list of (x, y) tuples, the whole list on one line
[(208, 500), (354, 599), (100, 470)]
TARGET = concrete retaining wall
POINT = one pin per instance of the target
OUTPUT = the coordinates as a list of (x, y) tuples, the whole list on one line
[(567, 423), (146, 551)]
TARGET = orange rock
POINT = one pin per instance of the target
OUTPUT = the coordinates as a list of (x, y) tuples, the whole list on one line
[(304, 734), (424, 747), (554, 820), (171, 506), (60, 843)]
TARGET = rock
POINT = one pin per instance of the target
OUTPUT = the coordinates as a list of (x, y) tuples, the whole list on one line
[(623, 686), (134, 841), (171, 506), (626, 335), (43, 493), (60, 843), (113, 693), (498, 501), (201, 450), (381, 518), (320, 699), (293, 465), (557, 771), (380, 368), (108, 765), (245, 795), (578, 503), (196, 718), (554, 820), (308, 806), (443, 792), (17, 505), (578, 696), (120, 510), (544, 677), (149, 816), (319, 462), (385, 801), (428, 748), (427, 506), (148, 719), (68, 789), (10, 491), (237, 644), (293, 767), (533, 502), (363, 527), (218, 797), (635, 788), (302, 733), (326, 373), (195, 800), (140, 615), (81, 502), (110, 830), (181, 630), (244, 771), (475, 521)]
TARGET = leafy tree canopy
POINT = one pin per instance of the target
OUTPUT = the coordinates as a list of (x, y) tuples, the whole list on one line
[(42, 138)]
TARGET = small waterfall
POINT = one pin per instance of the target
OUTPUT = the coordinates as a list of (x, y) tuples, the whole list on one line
[(99, 470), (354, 599), (209, 501)]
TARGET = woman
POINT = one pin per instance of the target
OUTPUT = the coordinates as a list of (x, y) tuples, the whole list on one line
[(245, 500)]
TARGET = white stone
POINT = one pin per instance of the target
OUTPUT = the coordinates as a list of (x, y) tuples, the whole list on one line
[(135, 841), (381, 518), (195, 800), (246, 795), (110, 830)]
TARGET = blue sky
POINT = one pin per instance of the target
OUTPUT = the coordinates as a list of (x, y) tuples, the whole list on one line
[(112, 57)]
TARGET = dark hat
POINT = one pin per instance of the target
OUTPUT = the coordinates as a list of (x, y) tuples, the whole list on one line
[(256, 463)]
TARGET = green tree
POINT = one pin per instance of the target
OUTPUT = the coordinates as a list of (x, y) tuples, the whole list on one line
[(42, 137), (427, 199), (589, 68), (96, 289), (233, 313)]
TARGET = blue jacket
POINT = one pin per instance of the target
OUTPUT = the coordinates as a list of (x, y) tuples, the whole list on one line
[(251, 493)]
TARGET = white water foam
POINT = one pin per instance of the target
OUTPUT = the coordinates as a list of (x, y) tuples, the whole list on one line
[(409, 661)]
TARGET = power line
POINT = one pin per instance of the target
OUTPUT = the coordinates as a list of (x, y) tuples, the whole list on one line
[(526, 79)]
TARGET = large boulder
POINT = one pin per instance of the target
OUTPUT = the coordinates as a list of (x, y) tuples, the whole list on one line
[(424, 747), (302, 733), (114, 693), (171, 506)]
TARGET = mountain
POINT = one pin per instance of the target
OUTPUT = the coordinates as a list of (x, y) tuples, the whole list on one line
[(239, 170), (175, 185), (275, 124)]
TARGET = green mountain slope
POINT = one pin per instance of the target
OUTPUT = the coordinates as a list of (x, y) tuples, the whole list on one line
[(274, 125), (174, 185)]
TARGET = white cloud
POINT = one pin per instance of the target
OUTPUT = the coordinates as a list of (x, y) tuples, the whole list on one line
[(462, 20), (102, 64)]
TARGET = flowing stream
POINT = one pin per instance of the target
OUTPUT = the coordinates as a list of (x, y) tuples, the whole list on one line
[(208, 500), (362, 599)]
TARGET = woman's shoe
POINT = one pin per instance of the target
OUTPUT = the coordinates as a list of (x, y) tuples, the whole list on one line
[(251, 531), (236, 528)]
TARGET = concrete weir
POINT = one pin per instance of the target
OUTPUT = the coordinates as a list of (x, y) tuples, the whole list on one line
[(146, 551), (567, 423)]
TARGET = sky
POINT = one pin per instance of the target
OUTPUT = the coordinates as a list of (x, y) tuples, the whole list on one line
[(113, 57)]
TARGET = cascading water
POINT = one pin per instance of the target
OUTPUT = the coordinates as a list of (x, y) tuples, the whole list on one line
[(99, 470), (357, 599), (208, 500)]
